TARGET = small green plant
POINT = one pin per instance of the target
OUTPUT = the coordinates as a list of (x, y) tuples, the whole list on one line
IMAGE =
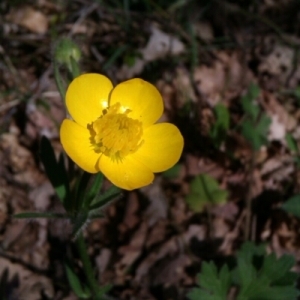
[(256, 276), (172, 172), (221, 125), (293, 147), (256, 124), (80, 289), (205, 190), (292, 206)]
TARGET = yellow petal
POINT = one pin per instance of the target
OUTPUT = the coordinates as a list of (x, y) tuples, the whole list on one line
[(162, 147), (76, 142), (128, 174), (87, 96), (141, 97)]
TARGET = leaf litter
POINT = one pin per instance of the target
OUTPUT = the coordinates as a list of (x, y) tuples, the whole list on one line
[(150, 244)]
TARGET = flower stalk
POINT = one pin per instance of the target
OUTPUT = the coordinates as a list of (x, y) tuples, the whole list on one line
[(111, 131), (87, 266)]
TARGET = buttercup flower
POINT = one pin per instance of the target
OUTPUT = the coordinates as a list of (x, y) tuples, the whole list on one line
[(113, 130)]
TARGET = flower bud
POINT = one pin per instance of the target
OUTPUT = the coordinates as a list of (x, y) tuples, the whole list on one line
[(66, 51)]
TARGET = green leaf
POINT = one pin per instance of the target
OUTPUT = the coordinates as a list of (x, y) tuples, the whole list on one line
[(225, 280), (172, 172), (213, 285), (36, 215), (102, 291), (205, 189), (275, 269), (249, 250), (246, 272), (263, 125), (115, 55), (257, 276), (101, 200), (95, 186), (260, 289), (249, 107), (75, 71), (263, 281), (256, 124), (289, 278), (256, 133), (254, 289), (277, 293), (75, 283), (221, 126), (297, 92), (87, 187), (208, 278), (55, 170), (59, 81), (81, 190), (94, 189), (291, 143), (79, 223), (292, 206)]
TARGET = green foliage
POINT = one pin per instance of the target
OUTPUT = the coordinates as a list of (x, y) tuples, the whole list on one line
[(293, 147), (102, 200), (55, 170), (65, 51), (36, 215), (172, 172), (292, 206), (291, 143), (257, 276), (81, 291), (118, 52), (59, 81), (220, 127), (214, 285), (256, 124), (83, 203), (204, 190), (296, 92), (90, 200)]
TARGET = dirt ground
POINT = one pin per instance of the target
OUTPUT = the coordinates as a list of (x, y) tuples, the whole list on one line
[(151, 243)]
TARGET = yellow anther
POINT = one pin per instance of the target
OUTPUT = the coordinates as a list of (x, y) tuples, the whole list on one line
[(115, 134)]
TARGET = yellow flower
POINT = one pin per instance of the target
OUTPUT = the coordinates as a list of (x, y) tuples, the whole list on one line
[(113, 130)]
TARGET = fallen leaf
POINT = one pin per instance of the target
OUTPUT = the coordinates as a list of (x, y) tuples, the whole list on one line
[(29, 18), (131, 251), (160, 44), (31, 285), (158, 204)]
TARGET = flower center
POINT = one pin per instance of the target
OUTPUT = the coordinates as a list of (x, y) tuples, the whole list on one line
[(115, 134)]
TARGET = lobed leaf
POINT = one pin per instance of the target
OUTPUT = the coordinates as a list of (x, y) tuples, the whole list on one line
[(204, 189), (292, 206)]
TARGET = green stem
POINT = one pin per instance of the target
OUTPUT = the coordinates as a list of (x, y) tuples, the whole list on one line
[(59, 81), (248, 200), (74, 68), (87, 266)]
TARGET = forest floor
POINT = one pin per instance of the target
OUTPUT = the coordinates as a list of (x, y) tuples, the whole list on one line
[(204, 57)]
